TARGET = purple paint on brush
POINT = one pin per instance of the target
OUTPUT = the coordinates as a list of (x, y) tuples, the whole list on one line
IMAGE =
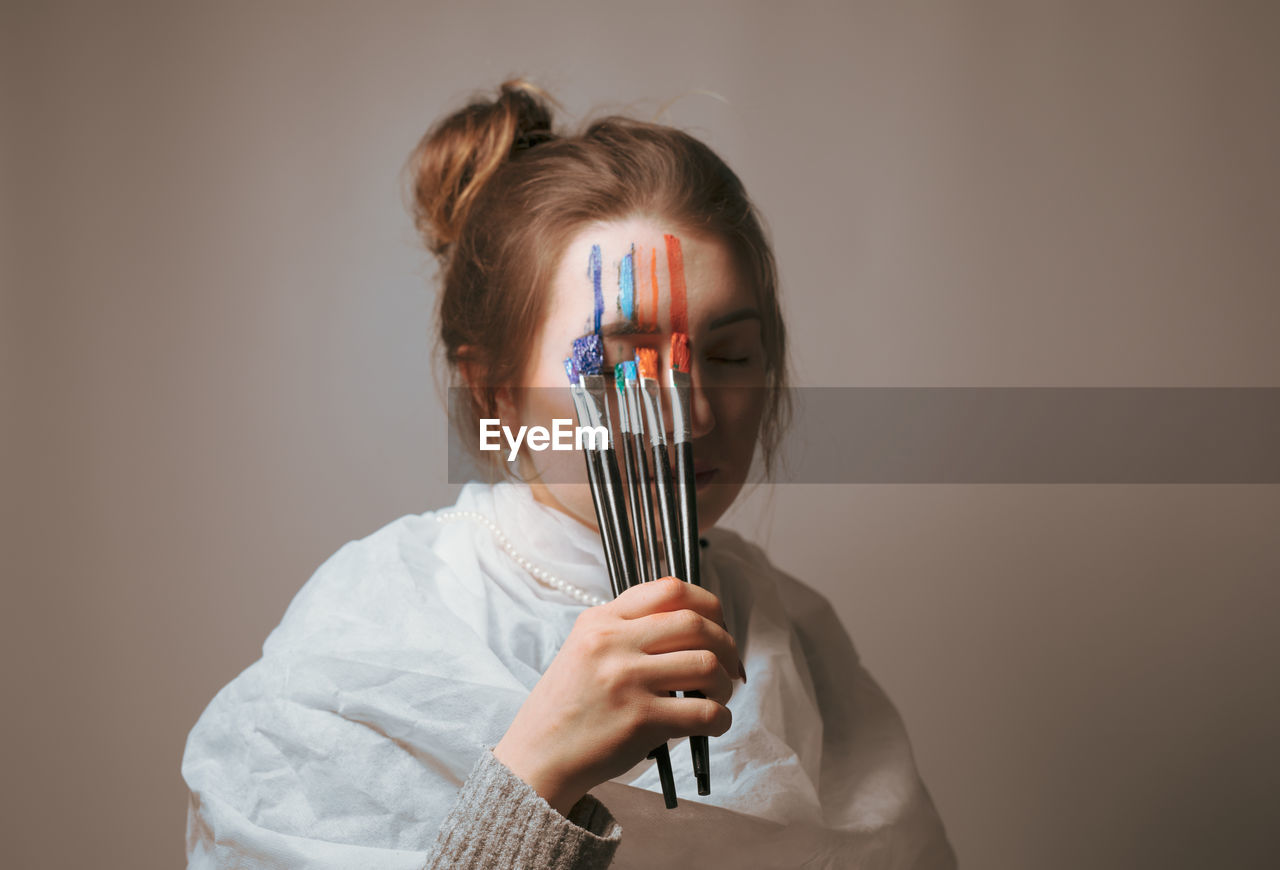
[(571, 369), (593, 269), (588, 354)]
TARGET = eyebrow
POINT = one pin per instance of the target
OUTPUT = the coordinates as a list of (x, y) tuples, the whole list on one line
[(734, 317), (626, 327)]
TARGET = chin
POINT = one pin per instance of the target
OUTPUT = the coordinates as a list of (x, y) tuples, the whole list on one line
[(714, 501)]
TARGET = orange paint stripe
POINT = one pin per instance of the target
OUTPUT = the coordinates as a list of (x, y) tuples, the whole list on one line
[(679, 302), (653, 282)]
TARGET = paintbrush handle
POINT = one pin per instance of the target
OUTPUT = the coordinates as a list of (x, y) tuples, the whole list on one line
[(616, 508), (687, 490), (598, 500), (647, 552), (667, 511), (698, 745), (633, 499), (605, 491), (653, 559), (662, 755)]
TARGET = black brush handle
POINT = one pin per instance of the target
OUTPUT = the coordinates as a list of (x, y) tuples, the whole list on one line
[(667, 511), (598, 499), (663, 757), (687, 490), (653, 562), (615, 509), (650, 567), (633, 499), (699, 747)]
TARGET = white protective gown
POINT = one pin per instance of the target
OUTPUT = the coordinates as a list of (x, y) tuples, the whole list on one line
[(410, 651)]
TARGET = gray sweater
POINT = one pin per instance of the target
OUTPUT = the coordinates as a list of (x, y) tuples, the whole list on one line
[(499, 821)]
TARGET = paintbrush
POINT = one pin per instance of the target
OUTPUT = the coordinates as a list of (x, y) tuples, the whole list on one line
[(637, 467), (656, 428), (680, 384), (642, 465), (588, 356), (588, 359), (647, 362), (617, 581)]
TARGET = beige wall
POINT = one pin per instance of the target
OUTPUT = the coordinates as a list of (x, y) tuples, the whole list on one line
[(214, 322)]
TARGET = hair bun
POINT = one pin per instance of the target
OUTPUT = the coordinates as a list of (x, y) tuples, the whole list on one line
[(462, 152)]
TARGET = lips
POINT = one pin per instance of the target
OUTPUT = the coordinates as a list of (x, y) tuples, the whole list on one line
[(704, 476)]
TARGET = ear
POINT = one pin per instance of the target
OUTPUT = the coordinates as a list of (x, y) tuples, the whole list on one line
[(474, 377)]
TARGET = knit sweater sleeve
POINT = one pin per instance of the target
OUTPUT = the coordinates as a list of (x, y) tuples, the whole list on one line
[(498, 820)]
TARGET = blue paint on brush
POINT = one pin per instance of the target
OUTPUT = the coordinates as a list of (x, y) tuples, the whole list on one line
[(627, 285), (588, 354), (593, 270), (629, 371), (571, 369)]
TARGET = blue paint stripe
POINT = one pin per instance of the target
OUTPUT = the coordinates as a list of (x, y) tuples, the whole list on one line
[(627, 285)]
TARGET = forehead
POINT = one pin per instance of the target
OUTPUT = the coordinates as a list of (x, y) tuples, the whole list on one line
[(646, 272)]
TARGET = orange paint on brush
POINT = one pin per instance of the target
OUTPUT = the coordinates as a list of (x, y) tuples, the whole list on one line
[(647, 362), (675, 269), (680, 352), (653, 282)]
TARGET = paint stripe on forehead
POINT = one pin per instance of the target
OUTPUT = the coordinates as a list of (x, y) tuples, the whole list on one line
[(653, 279), (593, 270), (626, 285), (675, 271)]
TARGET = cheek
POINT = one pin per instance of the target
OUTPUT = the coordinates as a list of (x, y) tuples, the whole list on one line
[(738, 411), (539, 406), (551, 465)]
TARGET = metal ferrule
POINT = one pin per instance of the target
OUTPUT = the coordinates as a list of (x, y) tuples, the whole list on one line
[(634, 410), (654, 421), (680, 384), (596, 398), (579, 408), (624, 417)]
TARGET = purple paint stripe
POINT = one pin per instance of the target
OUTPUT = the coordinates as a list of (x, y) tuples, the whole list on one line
[(593, 269)]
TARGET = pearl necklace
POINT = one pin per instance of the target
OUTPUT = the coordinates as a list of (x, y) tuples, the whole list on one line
[(546, 578)]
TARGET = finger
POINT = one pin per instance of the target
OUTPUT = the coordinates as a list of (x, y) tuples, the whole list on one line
[(681, 717), (665, 595), (686, 630), (689, 670)]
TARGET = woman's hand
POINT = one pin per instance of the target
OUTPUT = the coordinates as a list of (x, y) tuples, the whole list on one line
[(603, 704)]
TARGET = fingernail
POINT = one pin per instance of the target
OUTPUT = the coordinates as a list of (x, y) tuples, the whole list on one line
[(742, 671)]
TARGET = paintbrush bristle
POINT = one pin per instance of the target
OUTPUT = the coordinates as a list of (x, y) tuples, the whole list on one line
[(629, 371), (571, 369), (647, 362), (588, 353), (680, 352), (619, 376)]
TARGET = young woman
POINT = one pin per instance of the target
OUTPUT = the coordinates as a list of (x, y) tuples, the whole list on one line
[(460, 688)]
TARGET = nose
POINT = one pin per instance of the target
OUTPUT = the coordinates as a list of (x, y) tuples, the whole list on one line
[(702, 416)]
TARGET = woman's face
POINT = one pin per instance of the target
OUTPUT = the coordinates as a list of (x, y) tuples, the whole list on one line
[(727, 356)]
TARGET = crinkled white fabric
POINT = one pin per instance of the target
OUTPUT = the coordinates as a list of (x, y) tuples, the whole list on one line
[(410, 651)]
